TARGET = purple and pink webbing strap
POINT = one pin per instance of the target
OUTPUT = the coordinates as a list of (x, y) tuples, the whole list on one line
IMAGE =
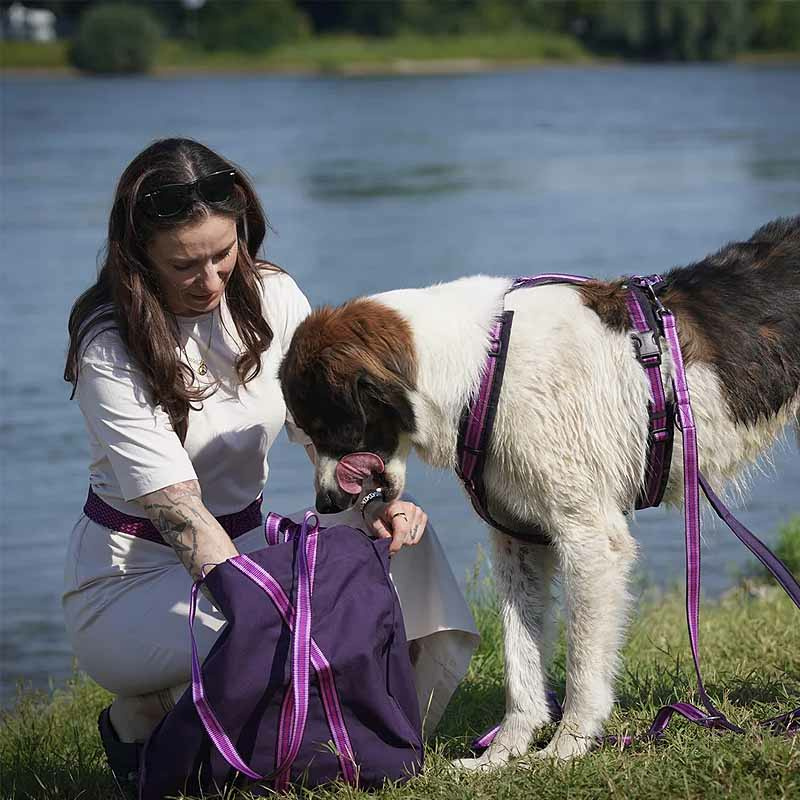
[(648, 352), (305, 652), (475, 429)]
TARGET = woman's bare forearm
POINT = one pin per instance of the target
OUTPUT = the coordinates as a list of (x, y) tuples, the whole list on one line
[(188, 526)]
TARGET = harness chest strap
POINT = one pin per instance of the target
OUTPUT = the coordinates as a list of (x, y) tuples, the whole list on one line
[(477, 423), (641, 299)]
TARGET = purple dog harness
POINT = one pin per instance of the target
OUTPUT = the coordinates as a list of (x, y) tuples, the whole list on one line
[(650, 320), (477, 420)]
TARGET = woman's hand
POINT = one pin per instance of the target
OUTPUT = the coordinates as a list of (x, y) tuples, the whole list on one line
[(401, 521)]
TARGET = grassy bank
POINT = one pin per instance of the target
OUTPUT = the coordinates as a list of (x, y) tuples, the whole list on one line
[(346, 54), (354, 55), (751, 662)]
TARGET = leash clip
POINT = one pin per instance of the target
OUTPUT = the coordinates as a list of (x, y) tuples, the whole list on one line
[(648, 284)]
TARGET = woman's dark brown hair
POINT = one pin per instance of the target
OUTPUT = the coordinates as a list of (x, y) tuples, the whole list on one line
[(127, 295)]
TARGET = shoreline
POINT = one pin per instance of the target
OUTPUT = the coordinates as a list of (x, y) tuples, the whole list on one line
[(398, 68), (355, 56)]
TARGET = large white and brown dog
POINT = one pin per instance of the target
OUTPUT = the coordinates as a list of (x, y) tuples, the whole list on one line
[(394, 371)]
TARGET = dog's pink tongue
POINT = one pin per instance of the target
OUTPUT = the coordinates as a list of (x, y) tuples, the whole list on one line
[(354, 467)]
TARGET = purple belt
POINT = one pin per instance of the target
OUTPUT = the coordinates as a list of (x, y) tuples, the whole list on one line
[(103, 514)]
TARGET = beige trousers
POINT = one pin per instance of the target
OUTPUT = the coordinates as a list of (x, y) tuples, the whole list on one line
[(126, 607)]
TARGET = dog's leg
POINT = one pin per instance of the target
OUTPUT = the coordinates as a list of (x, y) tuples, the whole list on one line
[(523, 577), (595, 562)]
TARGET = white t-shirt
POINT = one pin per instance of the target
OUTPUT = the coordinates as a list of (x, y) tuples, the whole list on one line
[(133, 447)]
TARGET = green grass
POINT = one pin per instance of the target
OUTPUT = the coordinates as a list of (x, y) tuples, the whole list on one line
[(352, 54), (751, 664), (34, 55), (339, 53)]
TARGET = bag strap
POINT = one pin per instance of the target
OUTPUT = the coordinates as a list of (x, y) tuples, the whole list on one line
[(322, 667), (301, 648), (290, 735), (213, 727), (278, 529)]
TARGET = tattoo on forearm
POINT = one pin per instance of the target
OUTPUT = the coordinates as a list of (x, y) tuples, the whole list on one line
[(175, 524), (180, 517)]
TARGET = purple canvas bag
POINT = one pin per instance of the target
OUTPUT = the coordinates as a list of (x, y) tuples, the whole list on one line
[(309, 681)]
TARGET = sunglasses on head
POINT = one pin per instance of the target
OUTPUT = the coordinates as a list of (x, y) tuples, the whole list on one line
[(169, 200)]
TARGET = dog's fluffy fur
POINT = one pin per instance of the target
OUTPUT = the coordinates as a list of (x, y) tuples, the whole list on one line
[(394, 371)]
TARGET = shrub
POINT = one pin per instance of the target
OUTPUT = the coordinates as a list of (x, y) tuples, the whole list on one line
[(787, 548), (250, 25), (116, 39)]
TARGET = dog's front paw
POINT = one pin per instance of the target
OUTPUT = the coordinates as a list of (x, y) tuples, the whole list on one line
[(565, 746), (491, 759), (473, 764)]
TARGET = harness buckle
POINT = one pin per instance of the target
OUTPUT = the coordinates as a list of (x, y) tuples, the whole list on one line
[(648, 350)]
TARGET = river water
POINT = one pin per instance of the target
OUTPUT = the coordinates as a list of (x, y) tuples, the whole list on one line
[(370, 184)]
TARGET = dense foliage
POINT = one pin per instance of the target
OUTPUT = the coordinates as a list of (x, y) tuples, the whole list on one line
[(116, 39), (250, 25), (641, 29)]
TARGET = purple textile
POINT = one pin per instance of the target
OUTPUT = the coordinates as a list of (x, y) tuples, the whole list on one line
[(334, 700), (660, 411), (103, 514)]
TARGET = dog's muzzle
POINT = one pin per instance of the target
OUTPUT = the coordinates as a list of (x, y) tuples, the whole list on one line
[(331, 501)]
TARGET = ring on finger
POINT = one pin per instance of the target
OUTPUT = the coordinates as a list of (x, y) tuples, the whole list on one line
[(400, 514)]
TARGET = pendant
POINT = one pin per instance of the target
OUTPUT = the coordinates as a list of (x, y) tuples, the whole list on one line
[(202, 368)]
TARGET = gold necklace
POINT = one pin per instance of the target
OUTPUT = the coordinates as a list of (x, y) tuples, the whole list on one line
[(202, 368)]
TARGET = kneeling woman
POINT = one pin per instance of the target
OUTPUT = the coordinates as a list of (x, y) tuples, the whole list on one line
[(174, 355)]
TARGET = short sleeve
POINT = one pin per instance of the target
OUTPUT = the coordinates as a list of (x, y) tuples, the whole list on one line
[(295, 433), (286, 307), (144, 451)]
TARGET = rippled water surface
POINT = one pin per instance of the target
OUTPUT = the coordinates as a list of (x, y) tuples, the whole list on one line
[(370, 184)]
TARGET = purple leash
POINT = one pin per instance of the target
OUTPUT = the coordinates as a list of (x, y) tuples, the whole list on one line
[(305, 653), (691, 504)]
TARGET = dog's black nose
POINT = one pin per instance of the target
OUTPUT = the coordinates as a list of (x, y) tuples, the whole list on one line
[(326, 503)]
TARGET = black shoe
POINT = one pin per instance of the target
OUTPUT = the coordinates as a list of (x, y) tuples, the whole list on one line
[(123, 757)]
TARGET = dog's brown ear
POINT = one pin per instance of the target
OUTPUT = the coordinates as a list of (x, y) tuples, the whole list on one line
[(380, 401)]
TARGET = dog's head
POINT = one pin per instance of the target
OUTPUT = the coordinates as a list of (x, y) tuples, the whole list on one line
[(347, 380)]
